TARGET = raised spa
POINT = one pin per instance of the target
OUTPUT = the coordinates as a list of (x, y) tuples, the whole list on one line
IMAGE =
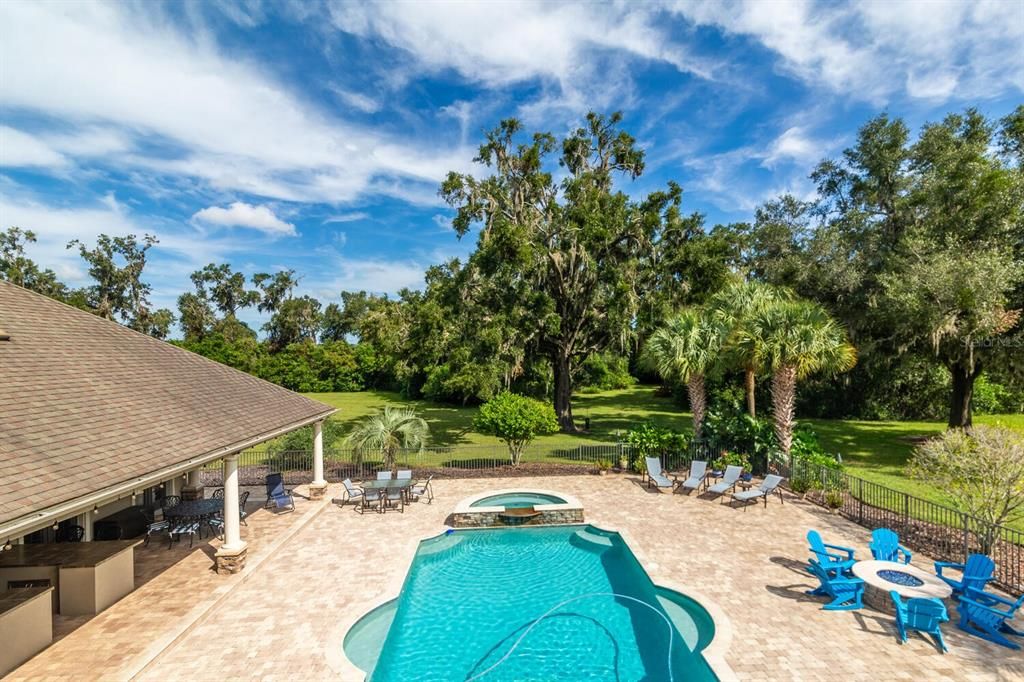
[(517, 507)]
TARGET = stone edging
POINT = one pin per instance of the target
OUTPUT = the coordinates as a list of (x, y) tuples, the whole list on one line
[(198, 613)]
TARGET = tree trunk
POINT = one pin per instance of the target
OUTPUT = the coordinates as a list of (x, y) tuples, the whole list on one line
[(563, 393), (783, 401), (698, 402), (749, 385), (960, 407)]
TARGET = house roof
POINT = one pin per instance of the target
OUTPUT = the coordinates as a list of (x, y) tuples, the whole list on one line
[(86, 404)]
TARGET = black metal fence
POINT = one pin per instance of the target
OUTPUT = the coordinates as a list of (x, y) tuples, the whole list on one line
[(934, 529), (939, 531)]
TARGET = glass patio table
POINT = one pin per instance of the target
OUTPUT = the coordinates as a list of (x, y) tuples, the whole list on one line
[(205, 507)]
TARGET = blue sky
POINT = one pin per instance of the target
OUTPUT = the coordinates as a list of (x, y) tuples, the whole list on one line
[(313, 136)]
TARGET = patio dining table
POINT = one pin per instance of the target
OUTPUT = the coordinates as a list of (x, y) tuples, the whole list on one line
[(205, 507)]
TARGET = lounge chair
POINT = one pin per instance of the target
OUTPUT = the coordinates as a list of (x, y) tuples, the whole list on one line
[(981, 616), (277, 494), (656, 476), (769, 485), (383, 475), (425, 488), (920, 613), (242, 500), (698, 475), (885, 546), (975, 572), (728, 482), (830, 560), (845, 592)]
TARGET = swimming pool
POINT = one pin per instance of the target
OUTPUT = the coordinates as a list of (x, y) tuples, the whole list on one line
[(518, 500), (543, 603)]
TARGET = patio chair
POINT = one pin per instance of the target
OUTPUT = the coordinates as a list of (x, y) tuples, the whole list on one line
[(975, 572), (924, 614), (698, 475), (70, 534), (383, 475), (372, 499), (218, 494), (242, 500), (981, 616), (277, 495), (656, 476), (353, 493), (769, 485), (846, 592), (728, 482), (425, 488), (885, 546), (393, 498), (404, 474), (154, 525), (186, 525), (830, 560), (170, 501)]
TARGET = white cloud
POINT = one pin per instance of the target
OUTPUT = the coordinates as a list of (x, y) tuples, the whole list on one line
[(21, 150), (872, 50), (357, 100), (241, 214), (795, 145), (227, 122), (347, 217)]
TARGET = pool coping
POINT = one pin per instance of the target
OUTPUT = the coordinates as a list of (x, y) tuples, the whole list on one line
[(714, 653), (465, 505)]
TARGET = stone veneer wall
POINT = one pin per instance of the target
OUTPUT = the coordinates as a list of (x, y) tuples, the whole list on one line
[(493, 519)]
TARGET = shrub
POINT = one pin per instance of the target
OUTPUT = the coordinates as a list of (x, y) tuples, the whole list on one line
[(604, 372), (833, 497), (515, 419), (982, 471), (649, 440), (727, 459)]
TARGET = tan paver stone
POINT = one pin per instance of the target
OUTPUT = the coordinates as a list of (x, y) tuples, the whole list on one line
[(284, 620)]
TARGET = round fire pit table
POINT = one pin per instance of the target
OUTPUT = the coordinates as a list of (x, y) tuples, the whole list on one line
[(880, 577)]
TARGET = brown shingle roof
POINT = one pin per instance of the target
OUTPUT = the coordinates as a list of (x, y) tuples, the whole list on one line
[(86, 404)]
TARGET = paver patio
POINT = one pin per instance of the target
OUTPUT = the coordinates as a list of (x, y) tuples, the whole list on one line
[(285, 617)]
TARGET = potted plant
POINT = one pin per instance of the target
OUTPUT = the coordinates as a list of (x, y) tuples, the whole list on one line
[(603, 465)]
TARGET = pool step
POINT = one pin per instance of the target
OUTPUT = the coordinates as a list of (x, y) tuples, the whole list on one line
[(587, 539), (441, 544)]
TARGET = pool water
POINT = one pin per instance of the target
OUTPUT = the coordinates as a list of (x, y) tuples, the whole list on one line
[(517, 500), (470, 606)]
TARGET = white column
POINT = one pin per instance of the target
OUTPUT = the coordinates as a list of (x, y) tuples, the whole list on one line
[(318, 454), (232, 532), (173, 486)]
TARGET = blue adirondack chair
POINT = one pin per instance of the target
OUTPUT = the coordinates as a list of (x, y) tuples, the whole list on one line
[(976, 572), (924, 614), (845, 592), (277, 495), (831, 561), (885, 546), (981, 616)]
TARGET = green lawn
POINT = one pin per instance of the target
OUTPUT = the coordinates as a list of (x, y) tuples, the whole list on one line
[(875, 451)]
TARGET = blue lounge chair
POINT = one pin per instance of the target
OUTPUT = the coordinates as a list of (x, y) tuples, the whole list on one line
[(845, 592), (920, 613), (656, 476), (885, 546), (698, 475), (976, 572), (830, 561), (768, 486), (728, 482), (981, 616), (277, 495)]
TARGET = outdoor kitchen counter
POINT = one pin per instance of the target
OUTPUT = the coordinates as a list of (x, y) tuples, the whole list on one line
[(26, 625), (88, 576)]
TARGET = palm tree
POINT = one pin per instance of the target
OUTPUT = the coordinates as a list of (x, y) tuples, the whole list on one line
[(686, 349), (795, 339), (388, 431), (733, 307)]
